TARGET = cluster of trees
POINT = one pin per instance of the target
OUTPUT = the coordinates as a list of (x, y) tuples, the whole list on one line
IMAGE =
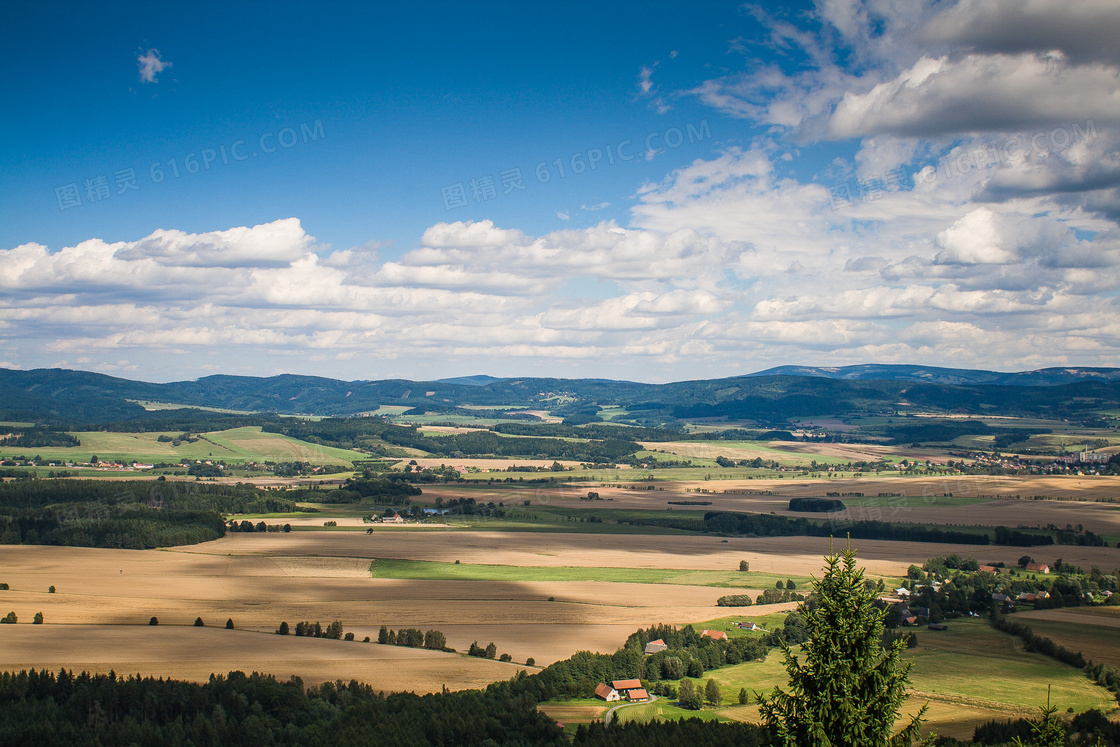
[(890, 636), (414, 473), (184, 437), (314, 630), (248, 526), (690, 696), (775, 596), (414, 638), (122, 514), (390, 489), (816, 505), (735, 600), (489, 652), (470, 507), (36, 437)]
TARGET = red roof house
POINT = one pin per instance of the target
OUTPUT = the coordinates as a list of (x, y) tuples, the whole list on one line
[(606, 692)]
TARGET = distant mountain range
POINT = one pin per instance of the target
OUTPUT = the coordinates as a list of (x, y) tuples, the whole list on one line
[(958, 376), (774, 396)]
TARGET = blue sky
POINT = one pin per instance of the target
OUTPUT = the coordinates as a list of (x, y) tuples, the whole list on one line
[(367, 192)]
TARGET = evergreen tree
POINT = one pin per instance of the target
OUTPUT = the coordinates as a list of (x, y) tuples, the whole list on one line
[(198, 622), (229, 624), (1049, 732), (848, 691)]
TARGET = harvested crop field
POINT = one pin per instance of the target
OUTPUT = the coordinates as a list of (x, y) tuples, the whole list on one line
[(259, 584), (194, 653), (1094, 631), (793, 556), (259, 580)]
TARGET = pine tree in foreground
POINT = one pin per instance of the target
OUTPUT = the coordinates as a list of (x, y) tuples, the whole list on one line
[(847, 692)]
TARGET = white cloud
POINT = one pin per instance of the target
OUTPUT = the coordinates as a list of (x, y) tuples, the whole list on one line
[(980, 93), (151, 65)]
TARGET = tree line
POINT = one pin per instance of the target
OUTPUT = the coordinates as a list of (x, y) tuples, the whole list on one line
[(124, 514), (771, 525)]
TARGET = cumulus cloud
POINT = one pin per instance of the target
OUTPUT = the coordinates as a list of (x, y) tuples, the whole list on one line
[(979, 93), (1085, 31), (470, 289), (151, 65)]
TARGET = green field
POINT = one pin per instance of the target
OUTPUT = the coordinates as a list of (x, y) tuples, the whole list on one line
[(1091, 634), (664, 709), (969, 664), (434, 571), (970, 667), (974, 661), (248, 444), (160, 406)]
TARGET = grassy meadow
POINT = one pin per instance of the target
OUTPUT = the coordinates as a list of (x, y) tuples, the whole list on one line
[(430, 570), (248, 444)]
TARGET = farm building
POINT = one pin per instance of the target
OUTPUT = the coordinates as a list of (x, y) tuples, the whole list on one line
[(606, 692), (625, 686), (715, 635), (654, 646), (637, 695), (1037, 567)]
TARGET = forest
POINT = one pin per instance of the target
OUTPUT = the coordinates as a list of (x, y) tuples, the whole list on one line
[(44, 708), (124, 514)]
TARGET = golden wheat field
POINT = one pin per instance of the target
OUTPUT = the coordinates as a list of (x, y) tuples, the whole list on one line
[(104, 598)]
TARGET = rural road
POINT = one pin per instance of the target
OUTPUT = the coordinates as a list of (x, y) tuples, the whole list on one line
[(610, 714)]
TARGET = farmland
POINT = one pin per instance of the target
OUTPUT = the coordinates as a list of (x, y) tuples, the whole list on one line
[(561, 555), (969, 674)]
